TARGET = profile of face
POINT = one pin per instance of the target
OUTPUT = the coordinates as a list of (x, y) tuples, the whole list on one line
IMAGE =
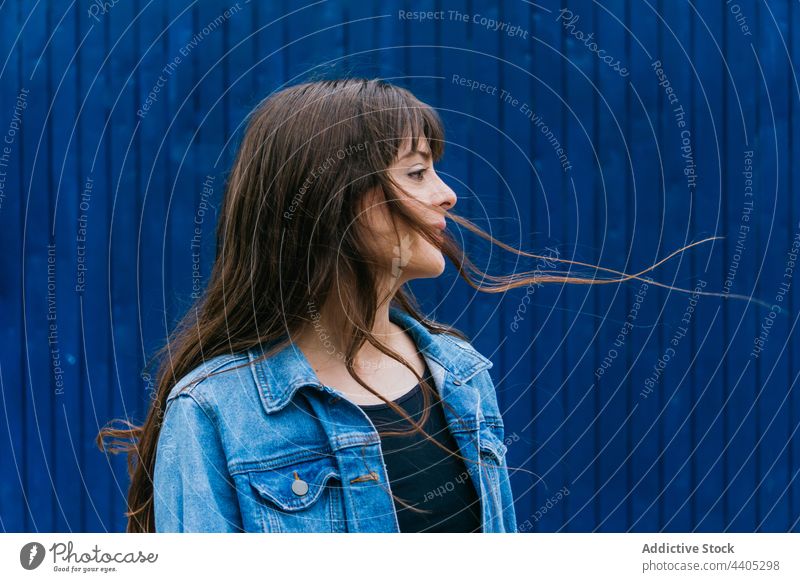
[(404, 252)]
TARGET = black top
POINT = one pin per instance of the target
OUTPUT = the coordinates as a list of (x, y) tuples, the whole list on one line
[(422, 474)]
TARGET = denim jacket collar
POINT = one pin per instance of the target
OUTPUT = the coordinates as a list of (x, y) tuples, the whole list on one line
[(281, 375)]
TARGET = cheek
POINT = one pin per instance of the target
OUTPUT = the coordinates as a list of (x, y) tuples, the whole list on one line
[(374, 217), (416, 204), (396, 244), (381, 235)]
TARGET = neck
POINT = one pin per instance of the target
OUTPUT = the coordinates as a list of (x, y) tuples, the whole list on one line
[(325, 339)]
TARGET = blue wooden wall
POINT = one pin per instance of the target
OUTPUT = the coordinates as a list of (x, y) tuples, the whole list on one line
[(627, 407)]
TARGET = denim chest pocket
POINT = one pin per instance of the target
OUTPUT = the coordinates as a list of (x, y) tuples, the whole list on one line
[(303, 496)]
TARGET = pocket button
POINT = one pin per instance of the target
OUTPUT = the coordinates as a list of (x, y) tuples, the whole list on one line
[(299, 487)]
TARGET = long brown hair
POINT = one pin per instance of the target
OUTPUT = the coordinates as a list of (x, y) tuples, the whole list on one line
[(290, 237)]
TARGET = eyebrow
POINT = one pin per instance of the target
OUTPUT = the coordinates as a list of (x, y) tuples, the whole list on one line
[(424, 154)]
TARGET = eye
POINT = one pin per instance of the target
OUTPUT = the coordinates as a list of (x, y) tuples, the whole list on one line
[(418, 175)]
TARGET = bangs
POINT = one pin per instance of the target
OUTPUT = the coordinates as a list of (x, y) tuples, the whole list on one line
[(420, 120), (397, 116)]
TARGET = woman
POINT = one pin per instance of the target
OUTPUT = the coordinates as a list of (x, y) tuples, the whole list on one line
[(305, 392)]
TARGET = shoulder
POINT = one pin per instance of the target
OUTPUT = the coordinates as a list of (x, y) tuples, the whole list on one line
[(205, 380), (453, 341), (479, 377)]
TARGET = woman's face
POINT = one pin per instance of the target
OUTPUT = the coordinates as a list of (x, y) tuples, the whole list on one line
[(409, 255)]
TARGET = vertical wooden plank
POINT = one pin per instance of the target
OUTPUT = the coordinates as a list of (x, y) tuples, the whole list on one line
[(296, 54), (96, 356), (615, 251), (212, 100), (660, 295), (514, 364), (42, 356), (777, 236), (123, 163), (794, 300), (669, 372), (390, 33), (188, 37), (545, 113), (707, 341), (15, 514), (582, 197), (238, 60), (640, 333), (268, 42), (489, 189), (358, 50), (152, 144), (154, 182), (302, 55), (68, 220), (740, 382), (734, 147)]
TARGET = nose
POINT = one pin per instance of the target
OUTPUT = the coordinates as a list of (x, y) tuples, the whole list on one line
[(446, 197)]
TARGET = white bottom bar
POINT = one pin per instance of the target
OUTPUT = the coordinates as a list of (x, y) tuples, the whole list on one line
[(402, 557)]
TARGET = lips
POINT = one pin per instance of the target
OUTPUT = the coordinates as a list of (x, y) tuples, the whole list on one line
[(440, 235)]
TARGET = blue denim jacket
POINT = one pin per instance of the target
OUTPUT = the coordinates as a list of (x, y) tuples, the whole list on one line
[(268, 448)]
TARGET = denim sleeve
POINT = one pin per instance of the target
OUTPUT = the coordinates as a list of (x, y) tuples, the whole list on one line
[(506, 494), (192, 489), (507, 499)]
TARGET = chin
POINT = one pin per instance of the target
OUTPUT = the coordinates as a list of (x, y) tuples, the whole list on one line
[(430, 266), (426, 262)]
